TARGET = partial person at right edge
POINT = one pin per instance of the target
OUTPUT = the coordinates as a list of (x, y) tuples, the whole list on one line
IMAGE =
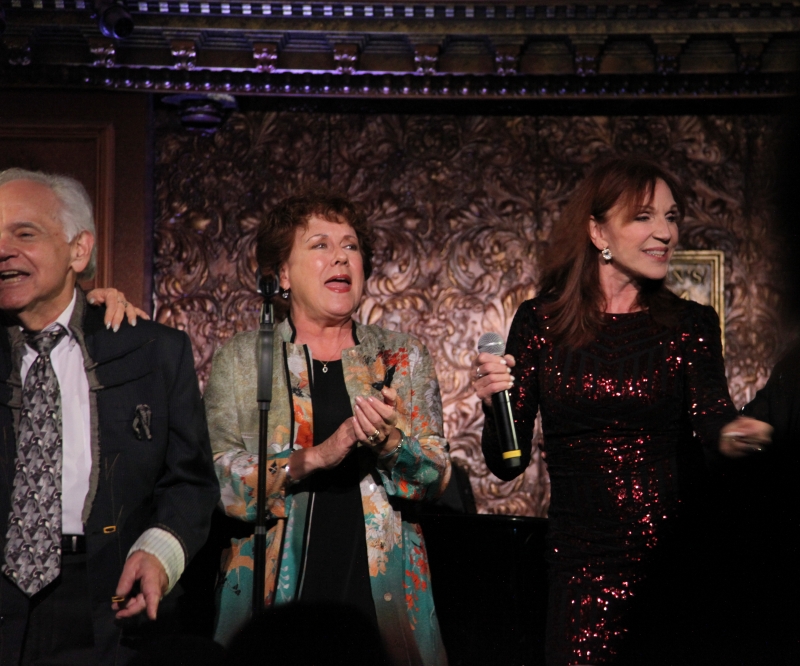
[(355, 442), (770, 497), (763, 533)]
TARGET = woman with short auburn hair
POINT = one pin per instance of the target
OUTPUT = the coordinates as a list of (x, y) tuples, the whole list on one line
[(355, 442)]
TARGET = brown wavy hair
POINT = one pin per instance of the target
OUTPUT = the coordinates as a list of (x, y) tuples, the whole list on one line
[(570, 277), (276, 233)]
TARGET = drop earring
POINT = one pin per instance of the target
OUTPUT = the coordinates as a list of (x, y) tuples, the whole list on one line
[(606, 254), (285, 294)]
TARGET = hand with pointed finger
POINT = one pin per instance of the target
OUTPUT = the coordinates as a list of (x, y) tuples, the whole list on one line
[(117, 307), (147, 570), (490, 374), (376, 421)]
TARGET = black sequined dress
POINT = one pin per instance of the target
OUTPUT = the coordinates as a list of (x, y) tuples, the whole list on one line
[(615, 416)]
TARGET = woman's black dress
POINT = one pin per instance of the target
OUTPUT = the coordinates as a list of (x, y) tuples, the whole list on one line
[(617, 416), (336, 567)]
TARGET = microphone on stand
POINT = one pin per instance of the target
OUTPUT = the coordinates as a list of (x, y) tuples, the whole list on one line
[(493, 343), (267, 285)]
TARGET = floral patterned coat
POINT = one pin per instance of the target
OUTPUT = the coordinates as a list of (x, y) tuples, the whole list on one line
[(399, 574)]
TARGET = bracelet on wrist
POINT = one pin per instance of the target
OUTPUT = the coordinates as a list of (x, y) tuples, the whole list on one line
[(389, 454)]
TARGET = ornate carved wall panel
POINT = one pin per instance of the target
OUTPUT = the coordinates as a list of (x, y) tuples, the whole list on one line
[(462, 206)]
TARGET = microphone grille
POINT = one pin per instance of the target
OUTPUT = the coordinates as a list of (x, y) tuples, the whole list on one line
[(492, 343)]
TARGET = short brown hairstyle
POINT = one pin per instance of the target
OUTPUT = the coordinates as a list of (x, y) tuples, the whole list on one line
[(276, 233), (570, 278)]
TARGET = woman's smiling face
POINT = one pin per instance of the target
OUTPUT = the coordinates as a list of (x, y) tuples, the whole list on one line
[(325, 271), (641, 240)]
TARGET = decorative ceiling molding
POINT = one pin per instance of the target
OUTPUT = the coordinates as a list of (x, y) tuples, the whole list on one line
[(438, 50)]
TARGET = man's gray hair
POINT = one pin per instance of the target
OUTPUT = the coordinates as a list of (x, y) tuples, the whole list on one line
[(75, 214)]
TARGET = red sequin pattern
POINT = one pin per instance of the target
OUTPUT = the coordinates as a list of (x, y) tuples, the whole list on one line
[(614, 415)]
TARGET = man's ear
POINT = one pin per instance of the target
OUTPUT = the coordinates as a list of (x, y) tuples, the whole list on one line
[(596, 234), (81, 251)]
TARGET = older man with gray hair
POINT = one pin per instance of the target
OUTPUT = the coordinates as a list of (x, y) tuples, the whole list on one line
[(106, 478)]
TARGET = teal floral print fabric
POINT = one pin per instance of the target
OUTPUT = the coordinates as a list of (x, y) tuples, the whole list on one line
[(398, 565)]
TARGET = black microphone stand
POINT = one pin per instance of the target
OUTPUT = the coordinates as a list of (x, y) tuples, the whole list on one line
[(267, 287)]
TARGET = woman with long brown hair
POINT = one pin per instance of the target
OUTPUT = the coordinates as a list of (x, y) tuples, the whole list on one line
[(627, 377)]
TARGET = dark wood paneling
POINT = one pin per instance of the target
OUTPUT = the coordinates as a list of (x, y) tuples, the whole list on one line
[(103, 139), (85, 152)]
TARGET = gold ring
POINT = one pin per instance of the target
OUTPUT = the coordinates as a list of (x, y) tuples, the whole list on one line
[(373, 436)]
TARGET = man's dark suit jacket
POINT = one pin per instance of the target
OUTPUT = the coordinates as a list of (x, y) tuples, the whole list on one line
[(139, 479)]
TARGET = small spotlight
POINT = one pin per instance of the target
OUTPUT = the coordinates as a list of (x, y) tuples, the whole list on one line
[(202, 114), (113, 19)]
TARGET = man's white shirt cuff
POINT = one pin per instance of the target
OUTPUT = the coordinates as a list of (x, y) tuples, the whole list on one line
[(163, 545)]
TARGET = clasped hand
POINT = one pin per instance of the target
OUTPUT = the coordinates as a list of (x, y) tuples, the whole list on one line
[(373, 423)]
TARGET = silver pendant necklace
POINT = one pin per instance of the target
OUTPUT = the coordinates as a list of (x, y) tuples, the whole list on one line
[(325, 363)]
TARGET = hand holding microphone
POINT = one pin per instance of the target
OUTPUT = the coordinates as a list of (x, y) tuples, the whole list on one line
[(491, 378)]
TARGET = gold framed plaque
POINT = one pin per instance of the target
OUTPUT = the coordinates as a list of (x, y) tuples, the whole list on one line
[(699, 275)]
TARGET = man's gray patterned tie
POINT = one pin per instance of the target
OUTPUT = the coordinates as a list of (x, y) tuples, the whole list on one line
[(33, 540)]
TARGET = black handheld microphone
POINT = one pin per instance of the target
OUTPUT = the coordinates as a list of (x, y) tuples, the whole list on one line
[(493, 343)]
